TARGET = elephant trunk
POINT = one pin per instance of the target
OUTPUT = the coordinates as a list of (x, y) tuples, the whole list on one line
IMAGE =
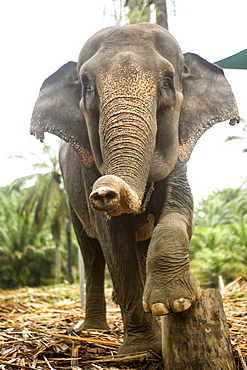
[(127, 137)]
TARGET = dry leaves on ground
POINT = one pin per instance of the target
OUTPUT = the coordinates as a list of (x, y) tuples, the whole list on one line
[(34, 322), (33, 326), (235, 305)]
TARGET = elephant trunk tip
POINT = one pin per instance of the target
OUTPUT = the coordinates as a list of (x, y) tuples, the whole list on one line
[(114, 196), (104, 199)]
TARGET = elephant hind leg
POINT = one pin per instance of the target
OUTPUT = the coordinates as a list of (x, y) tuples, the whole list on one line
[(94, 263)]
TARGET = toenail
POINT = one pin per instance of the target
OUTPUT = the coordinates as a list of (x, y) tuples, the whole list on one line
[(159, 309), (180, 305)]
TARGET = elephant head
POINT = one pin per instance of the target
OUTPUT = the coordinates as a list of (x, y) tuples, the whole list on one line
[(133, 105)]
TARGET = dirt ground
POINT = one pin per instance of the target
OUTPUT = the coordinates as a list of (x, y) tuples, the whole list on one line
[(33, 324)]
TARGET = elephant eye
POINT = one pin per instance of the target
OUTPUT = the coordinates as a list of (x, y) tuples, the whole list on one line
[(167, 83), (88, 87)]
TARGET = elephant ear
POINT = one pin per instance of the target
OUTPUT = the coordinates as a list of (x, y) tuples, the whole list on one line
[(208, 99), (57, 111)]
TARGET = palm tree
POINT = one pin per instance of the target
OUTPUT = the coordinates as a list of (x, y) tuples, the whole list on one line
[(47, 200), (25, 255), (218, 246), (214, 252), (221, 208)]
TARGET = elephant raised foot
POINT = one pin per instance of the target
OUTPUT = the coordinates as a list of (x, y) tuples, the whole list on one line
[(177, 295)]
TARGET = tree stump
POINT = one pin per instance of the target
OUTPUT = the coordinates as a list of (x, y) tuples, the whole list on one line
[(198, 339)]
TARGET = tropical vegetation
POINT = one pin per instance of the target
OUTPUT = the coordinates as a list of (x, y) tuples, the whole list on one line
[(219, 244), (136, 11), (34, 245)]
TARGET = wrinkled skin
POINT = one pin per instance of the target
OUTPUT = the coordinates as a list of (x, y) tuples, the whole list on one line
[(131, 111)]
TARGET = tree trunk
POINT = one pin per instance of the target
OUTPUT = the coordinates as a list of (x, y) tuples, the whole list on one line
[(198, 339), (57, 264), (69, 251), (55, 229), (161, 13), (81, 278)]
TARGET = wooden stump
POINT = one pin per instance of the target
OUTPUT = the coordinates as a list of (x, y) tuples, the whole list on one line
[(198, 339)]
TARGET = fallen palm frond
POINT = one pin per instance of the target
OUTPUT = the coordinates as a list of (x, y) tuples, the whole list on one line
[(34, 322)]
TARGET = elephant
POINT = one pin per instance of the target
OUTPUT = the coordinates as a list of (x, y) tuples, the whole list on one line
[(130, 112)]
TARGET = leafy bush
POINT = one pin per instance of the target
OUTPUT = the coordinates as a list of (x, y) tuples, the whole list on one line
[(219, 244), (27, 256), (32, 228)]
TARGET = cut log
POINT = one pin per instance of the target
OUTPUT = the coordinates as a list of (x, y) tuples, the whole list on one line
[(198, 339)]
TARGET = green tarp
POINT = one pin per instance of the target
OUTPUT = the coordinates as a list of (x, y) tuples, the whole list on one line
[(236, 61)]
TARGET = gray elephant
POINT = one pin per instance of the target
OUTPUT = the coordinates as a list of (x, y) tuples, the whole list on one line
[(130, 112)]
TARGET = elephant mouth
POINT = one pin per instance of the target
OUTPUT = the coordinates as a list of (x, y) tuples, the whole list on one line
[(114, 196)]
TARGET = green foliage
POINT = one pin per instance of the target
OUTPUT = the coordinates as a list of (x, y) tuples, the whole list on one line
[(136, 11), (131, 11), (26, 256), (139, 11), (219, 244), (32, 228)]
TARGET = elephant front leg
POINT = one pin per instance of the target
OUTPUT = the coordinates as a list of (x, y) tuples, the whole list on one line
[(170, 285), (141, 331)]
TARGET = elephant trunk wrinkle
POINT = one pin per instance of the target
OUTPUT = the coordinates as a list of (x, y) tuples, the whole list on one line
[(133, 118), (127, 132), (128, 164), (127, 147), (127, 104), (122, 113)]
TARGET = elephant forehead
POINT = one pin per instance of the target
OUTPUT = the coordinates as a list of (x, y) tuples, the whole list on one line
[(127, 77)]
